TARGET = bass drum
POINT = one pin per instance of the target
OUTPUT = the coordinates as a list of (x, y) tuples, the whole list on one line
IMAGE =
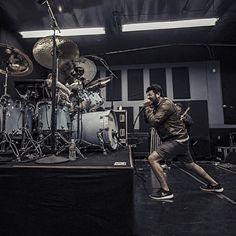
[(94, 122), (14, 117), (44, 112)]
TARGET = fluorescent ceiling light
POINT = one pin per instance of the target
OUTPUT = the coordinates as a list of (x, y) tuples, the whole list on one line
[(169, 24), (64, 32)]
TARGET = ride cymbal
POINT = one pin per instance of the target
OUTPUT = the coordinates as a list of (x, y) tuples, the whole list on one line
[(42, 50), (15, 61)]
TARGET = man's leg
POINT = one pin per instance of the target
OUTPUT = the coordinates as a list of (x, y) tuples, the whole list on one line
[(201, 172), (154, 159)]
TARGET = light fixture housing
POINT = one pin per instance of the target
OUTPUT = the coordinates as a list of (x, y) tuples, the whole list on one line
[(64, 32), (169, 24)]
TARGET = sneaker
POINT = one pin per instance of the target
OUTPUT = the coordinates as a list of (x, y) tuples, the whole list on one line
[(162, 195), (163, 166), (209, 188)]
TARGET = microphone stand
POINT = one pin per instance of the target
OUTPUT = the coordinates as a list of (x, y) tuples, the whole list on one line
[(53, 158), (104, 63)]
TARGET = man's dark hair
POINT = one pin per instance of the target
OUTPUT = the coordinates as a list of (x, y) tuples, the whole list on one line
[(156, 89)]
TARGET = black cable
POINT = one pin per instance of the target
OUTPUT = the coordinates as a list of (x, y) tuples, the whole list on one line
[(138, 116)]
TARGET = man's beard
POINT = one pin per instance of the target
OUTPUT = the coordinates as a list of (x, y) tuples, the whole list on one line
[(155, 101)]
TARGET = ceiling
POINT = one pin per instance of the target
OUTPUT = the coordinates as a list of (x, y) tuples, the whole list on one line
[(202, 43)]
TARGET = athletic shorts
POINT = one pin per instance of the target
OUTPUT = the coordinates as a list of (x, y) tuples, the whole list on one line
[(168, 150)]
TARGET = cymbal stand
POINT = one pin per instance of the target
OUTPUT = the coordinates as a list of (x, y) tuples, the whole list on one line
[(6, 137), (54, 78), (53, 158)]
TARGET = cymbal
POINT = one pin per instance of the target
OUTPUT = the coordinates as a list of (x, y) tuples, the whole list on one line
[(99, 83), (80, 68), (17, 62), (86, 68), (43, 49)]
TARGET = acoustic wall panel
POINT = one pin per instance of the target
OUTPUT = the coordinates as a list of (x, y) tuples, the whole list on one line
[(158, 76), (180, 79), (114, 87), (135, 84)]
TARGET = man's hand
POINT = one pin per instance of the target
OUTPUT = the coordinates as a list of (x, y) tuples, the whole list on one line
[(147, 102)]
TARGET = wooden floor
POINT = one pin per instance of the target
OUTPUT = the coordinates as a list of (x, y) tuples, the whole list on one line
[(192, 212)]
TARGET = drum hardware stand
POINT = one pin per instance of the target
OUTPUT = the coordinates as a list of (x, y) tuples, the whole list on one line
[(25, 146), (116, 136), (101, 139), (53, 158), (77, 141), (67, 145), (43, 138), (26, 136), (79, 131), (6, 136)]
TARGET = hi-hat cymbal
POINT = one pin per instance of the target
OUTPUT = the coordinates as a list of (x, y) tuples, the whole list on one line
[(99, 83), (43, 49), (16, 62)]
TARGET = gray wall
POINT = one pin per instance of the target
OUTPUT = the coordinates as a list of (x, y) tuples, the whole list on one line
[(205, 84)]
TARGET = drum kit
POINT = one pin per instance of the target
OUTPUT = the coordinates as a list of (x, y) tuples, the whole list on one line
[(25, 126)]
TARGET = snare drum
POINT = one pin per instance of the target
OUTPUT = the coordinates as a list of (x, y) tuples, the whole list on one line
[(14, 117), (44, 112), (94, 122)]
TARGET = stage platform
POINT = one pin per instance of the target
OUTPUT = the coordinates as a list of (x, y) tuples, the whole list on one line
[(92, 196)]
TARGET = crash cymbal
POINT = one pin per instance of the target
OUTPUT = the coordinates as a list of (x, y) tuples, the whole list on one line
[(99, 83), (17, 62), (43, 49), (80, 68)]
